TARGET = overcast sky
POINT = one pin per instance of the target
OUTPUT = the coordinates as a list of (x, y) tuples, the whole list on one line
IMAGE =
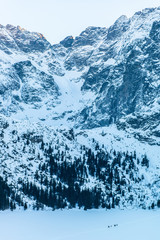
[(57, 19)]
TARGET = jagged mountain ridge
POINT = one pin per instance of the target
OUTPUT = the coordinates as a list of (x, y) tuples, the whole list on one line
[(112, 74), (105, 80)]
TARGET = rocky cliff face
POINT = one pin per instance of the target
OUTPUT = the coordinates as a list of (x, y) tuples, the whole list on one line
[(102, 80), (112, 75)]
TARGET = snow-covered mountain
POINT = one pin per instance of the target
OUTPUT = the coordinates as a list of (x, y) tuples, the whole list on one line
[(90, 106)]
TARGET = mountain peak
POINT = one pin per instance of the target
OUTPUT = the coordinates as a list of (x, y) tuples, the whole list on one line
[(122, 19), (76, 112), (20, 28), (67, 42)]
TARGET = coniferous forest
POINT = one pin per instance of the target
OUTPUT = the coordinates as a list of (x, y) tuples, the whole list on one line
[(97, 179)]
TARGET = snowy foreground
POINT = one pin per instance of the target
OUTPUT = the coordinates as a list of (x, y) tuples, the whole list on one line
[(80, 225)]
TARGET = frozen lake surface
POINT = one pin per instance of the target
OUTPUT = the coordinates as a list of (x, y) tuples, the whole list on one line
[(80, 225)]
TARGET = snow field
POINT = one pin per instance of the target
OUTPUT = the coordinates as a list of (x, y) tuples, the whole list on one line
[(80, 225)]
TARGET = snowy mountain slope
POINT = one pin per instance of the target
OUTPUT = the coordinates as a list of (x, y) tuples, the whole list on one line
[(107, 163), (117, 64), (89, 105)]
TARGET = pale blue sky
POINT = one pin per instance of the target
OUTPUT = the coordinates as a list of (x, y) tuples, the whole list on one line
[(57, 19)]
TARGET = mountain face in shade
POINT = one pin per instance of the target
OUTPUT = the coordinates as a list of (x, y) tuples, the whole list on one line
[(112, 75), (104, 85)]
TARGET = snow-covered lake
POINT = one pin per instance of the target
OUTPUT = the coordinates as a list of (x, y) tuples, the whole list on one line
[(80, 225)]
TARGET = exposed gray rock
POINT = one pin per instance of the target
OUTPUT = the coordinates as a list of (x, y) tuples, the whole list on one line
[(119, 66), (67, 42)]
